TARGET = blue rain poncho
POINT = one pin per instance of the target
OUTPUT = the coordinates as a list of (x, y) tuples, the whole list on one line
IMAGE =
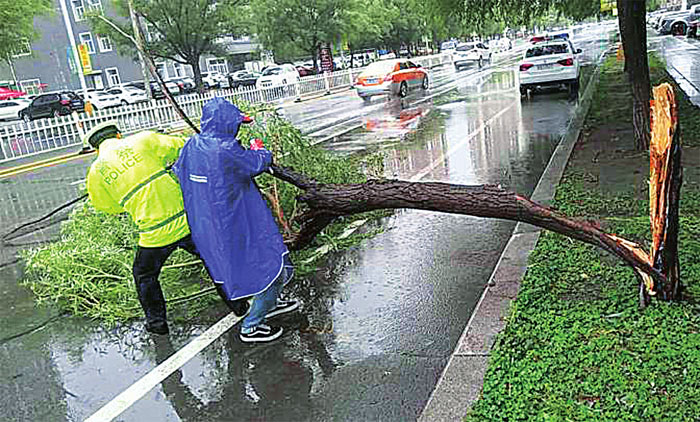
[(231, 224)]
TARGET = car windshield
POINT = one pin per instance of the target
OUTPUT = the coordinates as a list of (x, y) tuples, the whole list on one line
[(466, 47), (272, 71), (379, 68), (447, 45), (546, 50)]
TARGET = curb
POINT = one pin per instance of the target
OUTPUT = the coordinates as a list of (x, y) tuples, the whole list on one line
[(461, 382)]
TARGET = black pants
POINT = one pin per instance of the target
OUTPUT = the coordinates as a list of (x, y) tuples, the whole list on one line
[(147, 265)]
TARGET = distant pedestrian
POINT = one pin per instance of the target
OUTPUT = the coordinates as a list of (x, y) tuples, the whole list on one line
[(131, 175), (231, 224)]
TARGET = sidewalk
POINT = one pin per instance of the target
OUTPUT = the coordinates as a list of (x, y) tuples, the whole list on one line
[(551, 367)]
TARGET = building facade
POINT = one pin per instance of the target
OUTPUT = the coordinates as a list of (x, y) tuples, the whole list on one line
[(48, 63)]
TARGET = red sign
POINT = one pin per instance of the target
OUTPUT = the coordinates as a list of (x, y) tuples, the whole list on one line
[(326, 59)]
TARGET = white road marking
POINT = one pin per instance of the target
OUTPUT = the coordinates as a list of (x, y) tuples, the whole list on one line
[(137, 390)]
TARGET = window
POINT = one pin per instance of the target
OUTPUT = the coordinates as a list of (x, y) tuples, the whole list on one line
[(78, 10), (217, 65), (105, 43), (23, 48), (86, 38), (30, 86), (162, 70), (180, 70), (113, 76), (95, 5)]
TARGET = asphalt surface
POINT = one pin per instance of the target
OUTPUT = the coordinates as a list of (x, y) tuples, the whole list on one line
[(379, 321)]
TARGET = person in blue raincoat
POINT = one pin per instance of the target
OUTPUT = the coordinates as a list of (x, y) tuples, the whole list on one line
[(231, 224)]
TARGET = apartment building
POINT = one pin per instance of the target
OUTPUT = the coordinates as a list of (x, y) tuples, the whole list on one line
[(48, 63)]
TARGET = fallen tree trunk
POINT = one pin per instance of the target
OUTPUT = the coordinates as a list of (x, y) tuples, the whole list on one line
[(658, 272), (328, 201)]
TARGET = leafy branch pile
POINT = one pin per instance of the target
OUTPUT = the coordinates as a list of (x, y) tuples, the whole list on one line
[(88, 271)]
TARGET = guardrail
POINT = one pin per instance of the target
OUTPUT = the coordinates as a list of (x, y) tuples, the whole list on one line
[(26, 139)]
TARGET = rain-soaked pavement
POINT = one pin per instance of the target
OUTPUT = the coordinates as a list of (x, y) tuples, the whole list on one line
[(379, 321)]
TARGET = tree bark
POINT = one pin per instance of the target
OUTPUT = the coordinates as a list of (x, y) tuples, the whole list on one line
[(634, 42), (327, 202), (197, 71)]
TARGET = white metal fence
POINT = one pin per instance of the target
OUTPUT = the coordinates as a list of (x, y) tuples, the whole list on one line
[(26, 139)]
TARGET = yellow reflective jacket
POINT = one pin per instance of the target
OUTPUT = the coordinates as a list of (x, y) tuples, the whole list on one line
[(130, 175)]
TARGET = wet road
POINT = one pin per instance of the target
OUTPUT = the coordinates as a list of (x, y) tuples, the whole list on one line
[(379, 321)]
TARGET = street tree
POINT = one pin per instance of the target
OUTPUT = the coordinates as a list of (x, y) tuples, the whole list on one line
[(178, 30), (291, 28), (18, 24)]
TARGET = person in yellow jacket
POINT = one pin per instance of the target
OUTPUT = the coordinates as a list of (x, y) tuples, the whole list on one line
[(132, 175)]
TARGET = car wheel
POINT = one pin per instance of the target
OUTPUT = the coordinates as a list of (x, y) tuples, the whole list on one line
[(403, 90), (679, 29), (481, 61), (523, 91), (425, 83), (573, 88), (25, 116), (124, 103), (489, 58), (366, 99), (57, 113)]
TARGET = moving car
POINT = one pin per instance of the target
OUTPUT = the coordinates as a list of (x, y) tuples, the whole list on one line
[(52, 104), (394, 77), (11, 109), (277, 75), (550, 62), (470, 52), (102, 99), (128, 94), (242, 78)]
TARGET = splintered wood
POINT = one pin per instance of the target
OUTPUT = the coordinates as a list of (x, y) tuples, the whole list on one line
[(665, 178)]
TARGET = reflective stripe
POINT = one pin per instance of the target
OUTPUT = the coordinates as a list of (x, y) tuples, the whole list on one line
[(164, 222), (138, 187)]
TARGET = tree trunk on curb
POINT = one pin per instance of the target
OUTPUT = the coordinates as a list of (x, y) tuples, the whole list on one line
[(634, 42)]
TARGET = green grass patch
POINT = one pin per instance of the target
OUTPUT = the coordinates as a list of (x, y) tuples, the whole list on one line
[(577, 346), (88, 271)]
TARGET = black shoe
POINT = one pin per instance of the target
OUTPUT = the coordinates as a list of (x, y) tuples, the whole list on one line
[(240, 307), (158, 327), (283, 306), (263, 333)]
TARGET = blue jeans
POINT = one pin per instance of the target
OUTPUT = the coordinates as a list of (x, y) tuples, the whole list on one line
[(266, 301)]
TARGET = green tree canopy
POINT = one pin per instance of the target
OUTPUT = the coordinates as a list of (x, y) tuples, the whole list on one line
[(17, 19)]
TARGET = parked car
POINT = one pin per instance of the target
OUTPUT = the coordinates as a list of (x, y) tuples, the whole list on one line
[(394, 77), (52, 104), (550, 62), (156, 92), (214, 80), (185, 85), (102, 99), (693, 22), (12, 109), (242, 78), (676, 24), (470, 52), (277, 76), (128, 94)]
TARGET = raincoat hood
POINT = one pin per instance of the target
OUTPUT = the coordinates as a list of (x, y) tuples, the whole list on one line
[(220, 118)]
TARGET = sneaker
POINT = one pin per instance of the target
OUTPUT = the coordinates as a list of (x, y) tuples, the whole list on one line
[(261, 334), (157, 327), (240, 307), (283, 306)]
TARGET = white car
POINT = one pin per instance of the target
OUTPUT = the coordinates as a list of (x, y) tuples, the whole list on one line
[(549, 62), (214, 80), (277, 76), (11, 109), (128, 94), (102, 99), (448, 46), (470, 52)]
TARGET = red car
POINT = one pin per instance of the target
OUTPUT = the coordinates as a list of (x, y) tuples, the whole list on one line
[(395, 77), (10, 94)]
